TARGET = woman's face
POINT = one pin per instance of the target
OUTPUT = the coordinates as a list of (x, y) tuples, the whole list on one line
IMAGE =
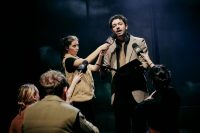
[(73, 48)]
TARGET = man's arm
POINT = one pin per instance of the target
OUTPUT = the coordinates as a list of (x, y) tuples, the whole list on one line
[(86, 126)]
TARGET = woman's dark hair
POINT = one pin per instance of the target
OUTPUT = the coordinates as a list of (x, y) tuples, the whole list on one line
[(160, 75), (66, 42)]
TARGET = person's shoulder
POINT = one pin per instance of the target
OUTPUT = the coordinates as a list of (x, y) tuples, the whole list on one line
[(139, 40), (173, 89), (16, 118), (136, 37), (30, 108), (70, 107), (68, 55)]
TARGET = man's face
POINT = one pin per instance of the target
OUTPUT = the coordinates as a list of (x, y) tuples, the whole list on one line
[(119, 27)]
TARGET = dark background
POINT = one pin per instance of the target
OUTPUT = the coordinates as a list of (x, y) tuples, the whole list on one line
[(30, 45)]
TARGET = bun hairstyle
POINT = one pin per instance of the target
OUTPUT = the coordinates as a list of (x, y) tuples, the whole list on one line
[(160, 75), (66, 41)]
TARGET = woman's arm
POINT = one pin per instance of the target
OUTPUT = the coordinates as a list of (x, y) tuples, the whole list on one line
[(146, 57), (93, 55), (96, 67), (70, 91)]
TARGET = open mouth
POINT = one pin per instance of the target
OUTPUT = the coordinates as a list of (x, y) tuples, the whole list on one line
[(119, 32)]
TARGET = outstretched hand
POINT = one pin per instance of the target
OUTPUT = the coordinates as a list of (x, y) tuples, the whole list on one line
[(77, 78), (110, 40), (102, 53), (145, 56), (105, 46)]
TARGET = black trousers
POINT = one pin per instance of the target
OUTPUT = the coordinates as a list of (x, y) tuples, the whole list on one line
[(125, 119)]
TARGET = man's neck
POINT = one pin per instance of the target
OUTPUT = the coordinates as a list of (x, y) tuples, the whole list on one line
[(121, 38)]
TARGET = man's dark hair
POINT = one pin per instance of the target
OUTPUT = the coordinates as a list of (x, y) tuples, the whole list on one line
[(117, 16)]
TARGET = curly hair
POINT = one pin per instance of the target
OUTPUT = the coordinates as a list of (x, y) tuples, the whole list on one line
[(53, 82), (160, 75)]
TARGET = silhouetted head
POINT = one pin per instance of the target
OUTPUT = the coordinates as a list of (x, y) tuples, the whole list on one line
[(160, 75)]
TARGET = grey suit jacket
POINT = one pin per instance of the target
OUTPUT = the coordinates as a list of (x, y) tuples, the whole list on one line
[(111, 61)]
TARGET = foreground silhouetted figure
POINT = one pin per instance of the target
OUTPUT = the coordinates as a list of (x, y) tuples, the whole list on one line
[(160, 109), (53, 114)]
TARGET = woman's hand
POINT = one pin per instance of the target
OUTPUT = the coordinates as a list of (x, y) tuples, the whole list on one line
[(102, 53), (146, 57), (104, 47), (75, 81), (77, 78)]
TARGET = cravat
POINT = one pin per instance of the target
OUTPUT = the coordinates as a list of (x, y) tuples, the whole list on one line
[(122, 57)]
